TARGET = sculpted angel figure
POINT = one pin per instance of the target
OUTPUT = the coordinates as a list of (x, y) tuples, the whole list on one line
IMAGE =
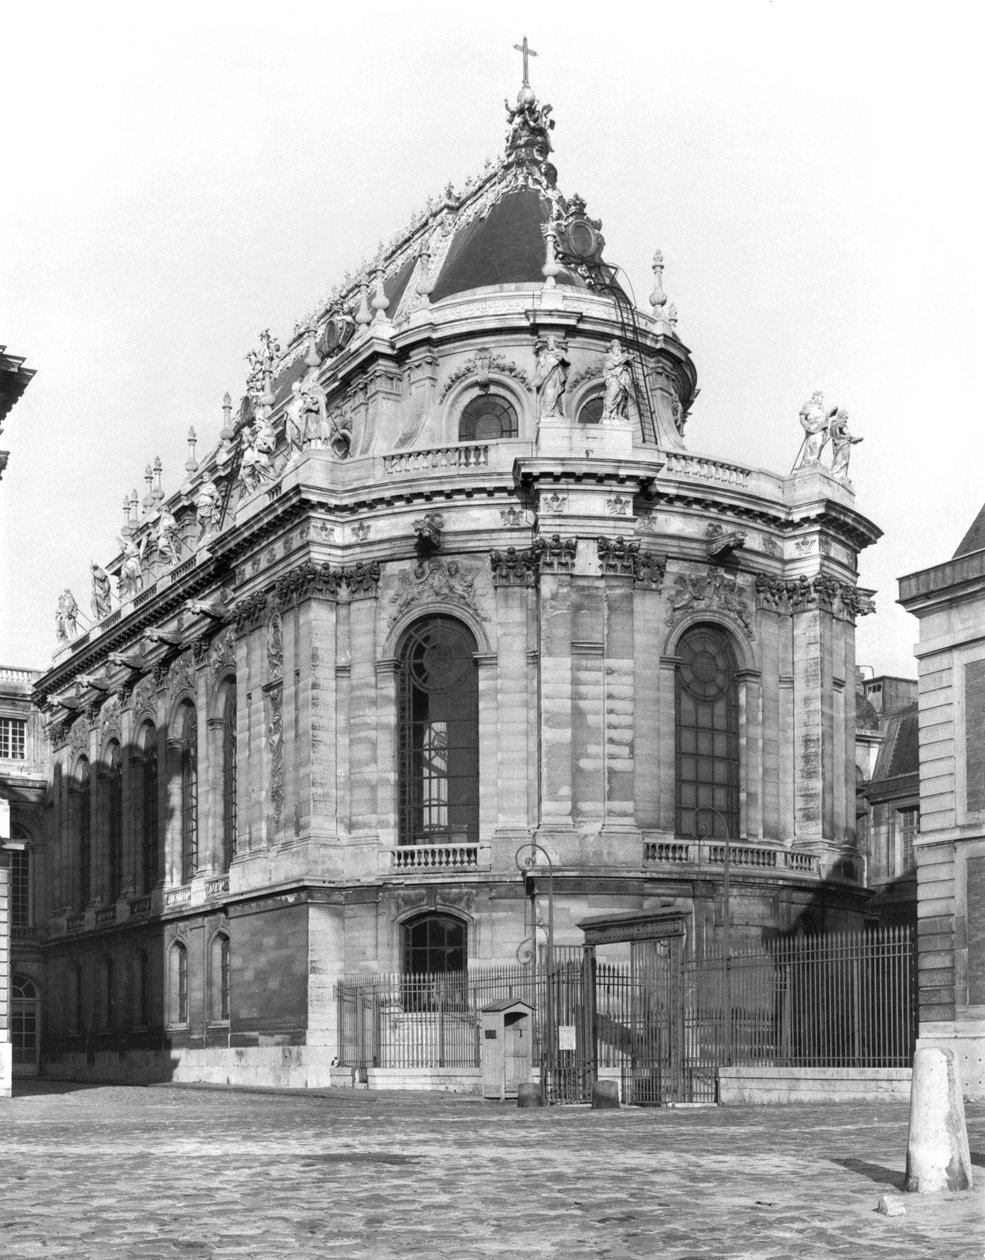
[(168, 539), (841, 443), (101, 592), (617, 372), (71, 612), (61, 626), (258, 464), (306, 419), (207, 508), (814, 420), (550, 377)]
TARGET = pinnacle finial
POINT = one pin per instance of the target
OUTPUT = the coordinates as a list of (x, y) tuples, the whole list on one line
[(525, 95)]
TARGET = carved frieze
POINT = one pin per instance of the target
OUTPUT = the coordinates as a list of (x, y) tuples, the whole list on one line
[(622, 557), (440, 582), (803, 594), (249, 612), (514, 566), (307, 580), (710, 589), (362, 579)]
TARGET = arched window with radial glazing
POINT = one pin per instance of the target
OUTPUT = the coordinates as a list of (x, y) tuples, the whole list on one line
[(707, 733), (438, 745), (188, 779), (150, 848)]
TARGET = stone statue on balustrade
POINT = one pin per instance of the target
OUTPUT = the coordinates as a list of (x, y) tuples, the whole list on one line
[(551, 377), (131, 580), (208, 509), (618, 375), (168, 538), (258, 462), (66, 626), (814, 420), (101, 600), (841, 444)]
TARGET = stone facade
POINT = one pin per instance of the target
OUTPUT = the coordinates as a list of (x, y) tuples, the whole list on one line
[(949, 601), (435, 597)]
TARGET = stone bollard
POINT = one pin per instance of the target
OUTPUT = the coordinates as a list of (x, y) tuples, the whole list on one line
[(528, 1094), (605, 1095), (937, 1154)]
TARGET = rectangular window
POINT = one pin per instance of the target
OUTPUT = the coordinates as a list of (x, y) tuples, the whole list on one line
[(20, 889), (13, 739), (908, 824)]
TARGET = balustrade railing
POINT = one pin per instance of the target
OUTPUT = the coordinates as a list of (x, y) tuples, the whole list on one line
[(706, 469), (418, 857), (177, 896), (216, 887), (470, 456), (712, 853)]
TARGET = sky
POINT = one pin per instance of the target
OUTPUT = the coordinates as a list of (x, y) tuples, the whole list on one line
[(174, 183)]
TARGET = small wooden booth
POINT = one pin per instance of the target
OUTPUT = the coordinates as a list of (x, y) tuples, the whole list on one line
[(507, 1032)]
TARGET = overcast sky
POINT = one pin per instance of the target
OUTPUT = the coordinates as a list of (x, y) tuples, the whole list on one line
[(175, 184)]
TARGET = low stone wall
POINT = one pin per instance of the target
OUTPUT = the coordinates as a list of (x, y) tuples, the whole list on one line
[(286, 1067), (452, 1080), (812, 1085)]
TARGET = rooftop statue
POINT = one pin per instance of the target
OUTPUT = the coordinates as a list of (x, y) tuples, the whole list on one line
[(258, 463), (814, 421), (168, 539), (618, 373), (841, 444), (66, 625), (208, 507), (132, 570), (101, 592)]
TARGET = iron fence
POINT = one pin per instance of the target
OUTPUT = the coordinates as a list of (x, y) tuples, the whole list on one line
[(845, 1000)]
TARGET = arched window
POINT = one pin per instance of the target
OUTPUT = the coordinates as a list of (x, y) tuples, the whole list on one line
[(188, 775), (590, 411), (24, 1023), (486, 418), (707, 732), (178, 984), (435, 943), (149, 835), (139, 990), (228, 775), (438, 734), (114, 818), (83, 821), (219, 979)]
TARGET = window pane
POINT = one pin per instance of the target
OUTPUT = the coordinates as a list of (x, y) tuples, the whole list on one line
[(708, 723)]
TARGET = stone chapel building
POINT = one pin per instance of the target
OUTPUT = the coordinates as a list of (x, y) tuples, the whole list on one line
[(451, 583)]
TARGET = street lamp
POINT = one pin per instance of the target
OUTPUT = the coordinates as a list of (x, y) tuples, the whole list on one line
[(700, 832), (525, 866)]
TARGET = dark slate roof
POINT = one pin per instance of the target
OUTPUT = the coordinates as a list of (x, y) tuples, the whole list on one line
[(900, 751), (974, 540), (504, 247)]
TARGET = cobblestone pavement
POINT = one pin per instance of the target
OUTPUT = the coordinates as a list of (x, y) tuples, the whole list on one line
[(168, 1171)]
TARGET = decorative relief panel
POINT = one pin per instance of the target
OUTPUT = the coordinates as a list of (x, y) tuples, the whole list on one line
[(554, 502), (804, 594), (109, 716), (275, 646), (181, 674), (275, 749), (619, 505), (513, 518), (515, 567), (479, 366), (556, 554), (710, 590), (79, 737), (440, 582)]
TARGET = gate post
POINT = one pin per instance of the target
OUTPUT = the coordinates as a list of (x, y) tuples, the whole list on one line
[(590, 1029)]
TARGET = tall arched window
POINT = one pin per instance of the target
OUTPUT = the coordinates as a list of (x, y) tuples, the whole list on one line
[(149, 835), (707, 732), (188, 775), (228, 774), (114, 817), (24, 1012), (83, 822), (219, 979), (178, 984), (439, 734), (21, 912), (434, 943)]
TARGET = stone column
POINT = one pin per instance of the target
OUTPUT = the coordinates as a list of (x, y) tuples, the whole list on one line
[(362, 729), (588, 731), (514, 577), (619, 701), (750, 753), (648, 678), (555, 701), (770, 627)]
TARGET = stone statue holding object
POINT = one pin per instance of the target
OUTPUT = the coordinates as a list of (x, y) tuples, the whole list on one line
[(841, 444), (551, 377), (168, 539), (617, 372), (814, 420), (132, 570), (101, 592)]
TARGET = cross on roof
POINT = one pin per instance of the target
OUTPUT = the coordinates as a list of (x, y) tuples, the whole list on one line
[(527, 52)]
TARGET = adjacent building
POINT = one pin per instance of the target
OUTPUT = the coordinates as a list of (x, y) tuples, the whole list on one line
[(949, 601)]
